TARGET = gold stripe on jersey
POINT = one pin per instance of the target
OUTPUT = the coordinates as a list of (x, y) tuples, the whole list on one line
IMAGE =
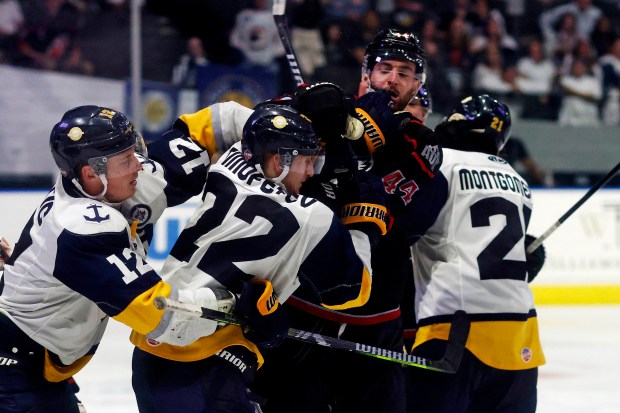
[(141, 314), (200, 125), (506, 345), (361, 299), (361, 212), (54, 373), (200, 349)]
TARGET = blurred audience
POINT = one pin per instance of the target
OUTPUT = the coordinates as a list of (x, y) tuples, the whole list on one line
[(11, 22), (184, 72), (581, 94), (256, 35)]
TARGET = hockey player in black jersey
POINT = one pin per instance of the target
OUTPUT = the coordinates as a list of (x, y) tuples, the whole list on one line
[(401, 151), (81, 257)]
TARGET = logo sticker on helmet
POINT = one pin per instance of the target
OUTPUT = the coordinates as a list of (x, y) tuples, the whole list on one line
[(75, 133), (279, 122)]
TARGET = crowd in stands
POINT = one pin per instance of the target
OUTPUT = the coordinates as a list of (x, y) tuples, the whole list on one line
[(557, 60)]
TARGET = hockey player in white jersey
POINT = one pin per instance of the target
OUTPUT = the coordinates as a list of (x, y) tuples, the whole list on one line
[(81, 257), (255, 233), (468, 232)]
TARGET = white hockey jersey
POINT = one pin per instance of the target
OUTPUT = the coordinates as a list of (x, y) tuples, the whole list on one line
[(79, 260), (247, 227), (470, 256)]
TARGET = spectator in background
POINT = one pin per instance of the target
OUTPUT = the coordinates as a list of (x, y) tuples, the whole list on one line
[(610, 69), (581, 95), (583, 51), (459, 59), (306, 35), (561, 39), (11, 21), (49, 38), (603, 35), (489, 75), (256, 35), (495, 32), (536, 74), (585, 13), (184, 72)]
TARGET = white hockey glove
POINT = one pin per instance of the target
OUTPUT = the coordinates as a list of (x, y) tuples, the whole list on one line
[(181, 329)]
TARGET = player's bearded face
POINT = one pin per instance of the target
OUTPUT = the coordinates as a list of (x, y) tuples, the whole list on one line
[(398, 78), (301, 169), (122, 176)]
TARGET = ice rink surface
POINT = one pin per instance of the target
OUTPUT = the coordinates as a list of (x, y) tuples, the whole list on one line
[(581, 344)]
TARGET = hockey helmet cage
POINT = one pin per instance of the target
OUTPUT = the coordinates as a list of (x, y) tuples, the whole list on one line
[(396, 45), (478, 123), (280, 129), (89, 135)]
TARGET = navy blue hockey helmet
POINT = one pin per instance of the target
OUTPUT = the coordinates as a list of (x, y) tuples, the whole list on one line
[(396, 44), (478, 123), (89, 135), (281, 129)]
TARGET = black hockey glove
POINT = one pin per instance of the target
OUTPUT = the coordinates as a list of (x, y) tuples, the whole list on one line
[(327, 107), (534, 261), (266, 323), (381, 125), (364, 201)]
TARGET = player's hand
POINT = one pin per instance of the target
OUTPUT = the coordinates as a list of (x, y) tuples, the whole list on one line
[(535, 260), (363, 201), (380, 124), (330, 111), (266, 322)]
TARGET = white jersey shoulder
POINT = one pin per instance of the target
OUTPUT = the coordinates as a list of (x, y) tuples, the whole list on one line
[(475, 247)]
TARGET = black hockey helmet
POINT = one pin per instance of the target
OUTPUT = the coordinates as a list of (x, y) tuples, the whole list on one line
[(478, 123), (397, 45), (281, 129), (89, 135)]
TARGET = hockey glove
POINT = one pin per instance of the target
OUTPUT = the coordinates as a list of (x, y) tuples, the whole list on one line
[(329, 110), (266, 323), (380, 124), (363, 201), (534, 261)]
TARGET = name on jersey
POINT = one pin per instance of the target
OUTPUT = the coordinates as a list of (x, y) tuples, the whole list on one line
[(246, 172), (476, 179)]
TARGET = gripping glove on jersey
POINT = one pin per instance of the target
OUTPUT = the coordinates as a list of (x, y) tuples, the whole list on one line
[(331, 112), (534, 261), (266, 323), (381, 125), (363, 201)]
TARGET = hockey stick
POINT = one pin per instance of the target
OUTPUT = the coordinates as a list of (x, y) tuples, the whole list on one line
[(279, 17), (538, 241), (449, 363)]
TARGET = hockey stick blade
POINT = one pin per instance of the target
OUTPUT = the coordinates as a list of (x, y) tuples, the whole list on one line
[(447, 364)]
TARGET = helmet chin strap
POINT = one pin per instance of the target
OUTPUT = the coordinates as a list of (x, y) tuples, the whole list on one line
[(99, 197)]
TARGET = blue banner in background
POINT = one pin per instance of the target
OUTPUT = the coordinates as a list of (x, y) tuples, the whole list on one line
[(247, 85), (160, 103)]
